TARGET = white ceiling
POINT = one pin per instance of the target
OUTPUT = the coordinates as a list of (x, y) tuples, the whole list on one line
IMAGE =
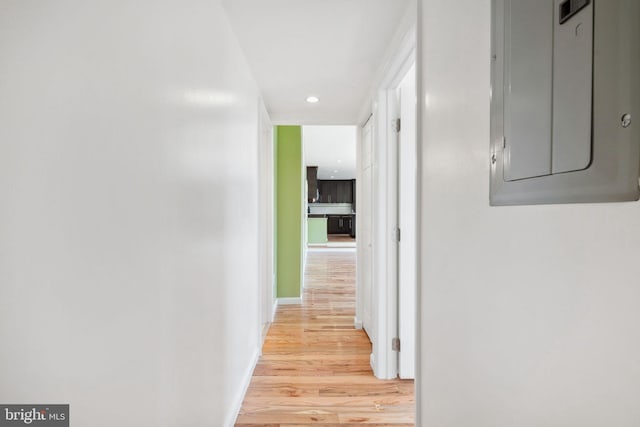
[(332, 149), (328, 48)]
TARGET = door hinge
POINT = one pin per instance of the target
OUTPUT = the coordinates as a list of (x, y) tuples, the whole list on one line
[(397, 234), (504, 142), (395, 344), (397, 124)]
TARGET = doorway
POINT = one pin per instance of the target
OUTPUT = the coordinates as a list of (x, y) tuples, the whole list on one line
[(387, 262)]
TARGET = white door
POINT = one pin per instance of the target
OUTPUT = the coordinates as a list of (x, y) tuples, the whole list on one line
[(266, 226), (407, 195), (365, 233)]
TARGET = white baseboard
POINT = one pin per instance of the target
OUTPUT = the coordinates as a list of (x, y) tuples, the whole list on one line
[(357, 323), (372, 363), (274, 310), (236, 404), (289, 301), (265, 331)]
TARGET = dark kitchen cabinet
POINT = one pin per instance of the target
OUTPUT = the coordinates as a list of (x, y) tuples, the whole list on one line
[(341, 224), (353, 198), (331, 192), (336, 191), (347, 224), (323, 190), (312, 183), (353, 226), (344, 192), (333, 224)]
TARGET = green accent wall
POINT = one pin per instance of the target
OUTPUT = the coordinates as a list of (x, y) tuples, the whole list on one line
[(289, 210)]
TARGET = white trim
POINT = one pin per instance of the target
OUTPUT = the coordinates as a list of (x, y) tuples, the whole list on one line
[(364, 228), (399, 59), (303, 213), (265, 219), (406, 203), (420, 121), (384, 243), (236, 404), (289, 301), (357, 323), (275, 308), (265, 331)]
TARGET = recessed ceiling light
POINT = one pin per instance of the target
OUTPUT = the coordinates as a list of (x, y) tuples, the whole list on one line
[(312, 99), (332, 176), (335, 171), (339, 161)]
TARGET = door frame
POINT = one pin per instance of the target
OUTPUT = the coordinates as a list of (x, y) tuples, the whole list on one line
[(407, 220), (266, 223), (364, 228), (384, 111)]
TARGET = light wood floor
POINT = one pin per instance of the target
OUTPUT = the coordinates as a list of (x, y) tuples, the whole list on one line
[(315, 365), (343, 238)]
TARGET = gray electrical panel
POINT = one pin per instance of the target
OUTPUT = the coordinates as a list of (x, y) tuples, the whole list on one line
[(565, 90)]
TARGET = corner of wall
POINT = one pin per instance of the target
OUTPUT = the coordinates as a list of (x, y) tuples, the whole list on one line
[(357, 323), (236, 404)]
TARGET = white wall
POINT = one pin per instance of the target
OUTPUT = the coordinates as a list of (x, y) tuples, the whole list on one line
[(128, 221), (529, 315)]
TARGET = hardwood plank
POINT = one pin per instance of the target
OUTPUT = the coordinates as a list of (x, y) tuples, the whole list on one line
[(306, 417), (315, 366), (399, 402)]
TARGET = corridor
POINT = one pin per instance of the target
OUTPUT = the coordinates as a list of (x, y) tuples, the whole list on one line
[(145, 152), (315, 365)]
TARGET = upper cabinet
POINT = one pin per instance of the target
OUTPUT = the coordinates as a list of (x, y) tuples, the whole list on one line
[(312, 184), (335, 191)]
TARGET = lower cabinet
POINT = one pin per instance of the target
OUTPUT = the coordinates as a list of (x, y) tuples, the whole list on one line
[(353, 226), (340, 224), (346, 224), (333, 224)]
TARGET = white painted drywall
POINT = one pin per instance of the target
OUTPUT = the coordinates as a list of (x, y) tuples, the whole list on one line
[(128, 213), (529, 315), (326, 48)]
